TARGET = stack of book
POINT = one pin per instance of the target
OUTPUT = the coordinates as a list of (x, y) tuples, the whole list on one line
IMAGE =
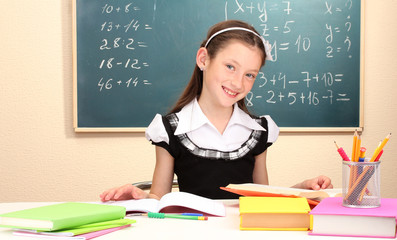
[(72, 220), (328, 218)]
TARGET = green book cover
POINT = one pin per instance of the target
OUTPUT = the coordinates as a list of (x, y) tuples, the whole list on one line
[(93, 227), (61, 216), (87, 228)]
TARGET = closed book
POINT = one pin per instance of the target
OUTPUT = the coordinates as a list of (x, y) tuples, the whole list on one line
[(331, 218), (274, 213), (84, 236), (87, 228), (60, 216)]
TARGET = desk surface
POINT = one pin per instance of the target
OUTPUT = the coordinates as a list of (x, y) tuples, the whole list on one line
[(224, 228)]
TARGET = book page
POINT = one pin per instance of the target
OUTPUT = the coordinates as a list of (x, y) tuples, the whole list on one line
[(139, 205), (191, 201)]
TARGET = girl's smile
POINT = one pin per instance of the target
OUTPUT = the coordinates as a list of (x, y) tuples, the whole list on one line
[(230, 92)]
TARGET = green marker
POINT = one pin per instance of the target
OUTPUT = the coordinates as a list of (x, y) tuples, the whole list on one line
[(163, 215)]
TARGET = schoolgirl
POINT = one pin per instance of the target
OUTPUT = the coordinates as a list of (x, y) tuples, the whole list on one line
[(209, 139)]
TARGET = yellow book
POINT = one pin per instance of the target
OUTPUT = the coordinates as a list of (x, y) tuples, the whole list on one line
[(274, 213)]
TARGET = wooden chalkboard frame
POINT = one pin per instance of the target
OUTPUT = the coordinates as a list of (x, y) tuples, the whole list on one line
[(282, 129)]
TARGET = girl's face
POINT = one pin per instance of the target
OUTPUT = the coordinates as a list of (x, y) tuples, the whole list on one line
[(230, 75)]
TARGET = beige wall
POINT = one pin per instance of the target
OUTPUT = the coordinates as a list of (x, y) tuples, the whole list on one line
[(43, 159)]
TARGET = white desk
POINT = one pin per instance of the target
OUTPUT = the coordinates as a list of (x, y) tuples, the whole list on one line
[(223, 228)]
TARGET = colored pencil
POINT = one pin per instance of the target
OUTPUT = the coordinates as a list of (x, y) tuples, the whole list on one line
[(380, 148), (342, 152), (179, 216), (354, 146), (358, 146)]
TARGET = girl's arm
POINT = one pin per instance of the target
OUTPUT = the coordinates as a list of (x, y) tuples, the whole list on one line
[(163, 175), (260, 171), (161, 184)]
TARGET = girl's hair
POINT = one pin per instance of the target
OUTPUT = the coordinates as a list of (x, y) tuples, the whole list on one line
[(194, 87)]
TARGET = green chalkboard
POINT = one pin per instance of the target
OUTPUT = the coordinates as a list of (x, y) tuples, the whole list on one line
[(132, 59)]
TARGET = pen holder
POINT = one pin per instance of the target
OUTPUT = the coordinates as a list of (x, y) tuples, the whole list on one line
[(361, 184)]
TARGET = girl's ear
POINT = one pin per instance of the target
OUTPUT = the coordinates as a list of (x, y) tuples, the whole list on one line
[(201, 58)]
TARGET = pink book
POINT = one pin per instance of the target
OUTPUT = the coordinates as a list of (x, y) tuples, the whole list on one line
[(84, 236), (102, 232), (331, 218)]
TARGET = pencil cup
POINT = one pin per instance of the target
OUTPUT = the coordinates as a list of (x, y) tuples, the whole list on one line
[(361, 184)]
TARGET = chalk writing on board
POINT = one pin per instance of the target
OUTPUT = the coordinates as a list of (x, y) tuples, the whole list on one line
[(127, 40), (134, 58)]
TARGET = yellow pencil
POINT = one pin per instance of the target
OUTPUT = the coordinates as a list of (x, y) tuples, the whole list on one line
[(380, 142), (382, 145), (358, 146), (354, 146)]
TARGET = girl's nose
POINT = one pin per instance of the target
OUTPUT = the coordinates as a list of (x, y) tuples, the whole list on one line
[(237, 82)]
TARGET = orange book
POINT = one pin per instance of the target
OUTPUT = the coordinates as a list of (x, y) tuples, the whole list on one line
[(251, 189)]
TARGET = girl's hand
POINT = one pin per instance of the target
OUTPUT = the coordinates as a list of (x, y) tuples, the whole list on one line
[(125, 192), (317, 183)]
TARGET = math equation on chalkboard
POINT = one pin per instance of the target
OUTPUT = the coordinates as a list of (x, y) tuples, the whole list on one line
[(134, 58)]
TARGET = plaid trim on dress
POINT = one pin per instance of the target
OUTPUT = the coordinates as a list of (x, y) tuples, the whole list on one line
[(215, 154)]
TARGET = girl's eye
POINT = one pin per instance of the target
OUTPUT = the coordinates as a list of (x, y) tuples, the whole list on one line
[(230, 67), (252, 76)]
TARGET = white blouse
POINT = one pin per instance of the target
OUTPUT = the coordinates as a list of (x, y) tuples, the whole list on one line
[(203, 133)]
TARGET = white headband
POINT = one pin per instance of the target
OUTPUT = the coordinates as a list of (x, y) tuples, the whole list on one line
[(267, 45)]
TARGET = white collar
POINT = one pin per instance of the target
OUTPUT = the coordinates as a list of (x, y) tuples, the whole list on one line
[(191, 117)]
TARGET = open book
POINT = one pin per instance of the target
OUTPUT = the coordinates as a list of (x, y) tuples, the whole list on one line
[(174, 202), (252, 189)]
